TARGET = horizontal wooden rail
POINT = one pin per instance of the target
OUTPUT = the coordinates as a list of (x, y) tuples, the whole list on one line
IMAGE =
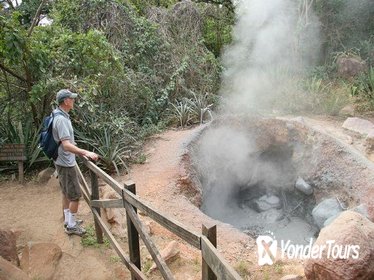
[(174, 226), (216, 262), (107, 203)]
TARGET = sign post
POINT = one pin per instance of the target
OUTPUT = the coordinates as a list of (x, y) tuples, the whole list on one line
[(14, 152)]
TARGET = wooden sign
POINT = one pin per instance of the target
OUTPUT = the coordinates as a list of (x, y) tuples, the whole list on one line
[(9, 152)]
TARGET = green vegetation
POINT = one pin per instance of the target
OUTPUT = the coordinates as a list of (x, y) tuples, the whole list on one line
[(140, 66), (89, 239), (243, 269)]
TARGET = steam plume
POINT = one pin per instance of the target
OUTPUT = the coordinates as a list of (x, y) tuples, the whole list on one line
[(273, 40)]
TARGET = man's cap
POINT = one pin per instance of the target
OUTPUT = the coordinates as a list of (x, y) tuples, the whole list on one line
[(65, 93)]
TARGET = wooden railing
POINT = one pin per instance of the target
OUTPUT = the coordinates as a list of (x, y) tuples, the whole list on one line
[(214, 266)]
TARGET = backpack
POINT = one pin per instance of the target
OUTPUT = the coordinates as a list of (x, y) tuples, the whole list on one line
[(46, 141)]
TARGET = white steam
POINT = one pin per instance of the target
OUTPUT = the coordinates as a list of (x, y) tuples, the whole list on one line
[(273, 40)]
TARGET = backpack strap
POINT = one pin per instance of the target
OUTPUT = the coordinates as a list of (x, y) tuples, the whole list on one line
[(53, 114)]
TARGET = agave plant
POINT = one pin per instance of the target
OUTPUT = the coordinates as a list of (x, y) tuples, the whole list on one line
[(182, 112), (199, 105), (113, 148)]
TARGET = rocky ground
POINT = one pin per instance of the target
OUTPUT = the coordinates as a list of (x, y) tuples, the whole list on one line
[(33, 212)]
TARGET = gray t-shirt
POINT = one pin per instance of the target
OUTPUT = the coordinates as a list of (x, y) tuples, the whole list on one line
[(63, 130)]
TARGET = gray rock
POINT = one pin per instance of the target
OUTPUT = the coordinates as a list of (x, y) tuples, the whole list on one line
[(348, 110), (364, 127), (349, 66), (303, 186), (324, 210), (267, 202), (362, 209), (270, 216), (330, 220)]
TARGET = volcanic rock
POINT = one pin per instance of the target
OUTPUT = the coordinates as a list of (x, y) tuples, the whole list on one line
[(8, 249), (303, 186), (364, 127), (169, 253), (10, 271), (267, 202), (324, 210), (40, 259), (351, 239), (350, 66)]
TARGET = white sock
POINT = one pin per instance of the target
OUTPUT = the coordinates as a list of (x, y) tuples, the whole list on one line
[(71, 219), (66, 216)]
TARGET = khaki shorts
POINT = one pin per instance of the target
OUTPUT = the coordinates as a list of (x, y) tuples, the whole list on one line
[(69, 183)]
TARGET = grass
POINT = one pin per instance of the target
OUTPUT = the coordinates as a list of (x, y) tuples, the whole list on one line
[(147, 265), (115, 259), (243, 269), (140, 159), (89, 239)]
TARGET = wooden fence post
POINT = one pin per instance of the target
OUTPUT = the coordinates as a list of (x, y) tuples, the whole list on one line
[(95, 196), (211, 234), (20, 172), (133, 236)]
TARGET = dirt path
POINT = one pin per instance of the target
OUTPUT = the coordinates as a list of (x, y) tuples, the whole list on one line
[(34, 212)]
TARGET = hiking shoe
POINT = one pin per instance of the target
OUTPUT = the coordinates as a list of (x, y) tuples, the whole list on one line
[(78, 222), (77, 230)]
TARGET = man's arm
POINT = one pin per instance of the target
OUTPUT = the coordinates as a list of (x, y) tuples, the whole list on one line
[(78, 151)]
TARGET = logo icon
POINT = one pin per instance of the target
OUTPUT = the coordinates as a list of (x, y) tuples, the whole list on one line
[(267, 249)]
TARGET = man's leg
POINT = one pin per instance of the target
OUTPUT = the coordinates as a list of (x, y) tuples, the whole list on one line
[(65, 209), (73, 207)]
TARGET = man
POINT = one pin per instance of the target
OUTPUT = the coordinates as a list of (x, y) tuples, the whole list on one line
[(65, 163)]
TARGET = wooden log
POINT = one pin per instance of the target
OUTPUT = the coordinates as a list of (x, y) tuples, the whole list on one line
[(95, 195), (211, 234), (132, 234), (174, 226), (133, 269), (216, 262), (161, 265)]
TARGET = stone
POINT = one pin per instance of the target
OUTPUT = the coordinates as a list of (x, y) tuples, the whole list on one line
[(362, 209), (303, 186), (348, 110), (292, 277), (369, 142), (9, 271), (115, 217), (40, 260), (349, 230), (330, 220), (324, 210), (169, 253), (270, 216), (361, 126), (350, 66), (8, 246), (267, 202), (45, 175)]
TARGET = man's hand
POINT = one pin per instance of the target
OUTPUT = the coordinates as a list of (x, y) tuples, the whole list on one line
[(91, 155)]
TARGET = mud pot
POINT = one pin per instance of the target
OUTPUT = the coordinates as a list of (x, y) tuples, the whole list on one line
[(274, 176)]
